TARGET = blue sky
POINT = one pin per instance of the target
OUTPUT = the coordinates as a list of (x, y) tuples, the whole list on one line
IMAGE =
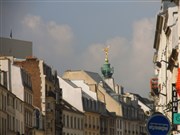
[(71, 35)]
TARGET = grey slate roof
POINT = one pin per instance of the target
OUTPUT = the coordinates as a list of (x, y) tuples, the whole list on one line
[(85, 95), (70, 83), (95, 76), (69, 107)]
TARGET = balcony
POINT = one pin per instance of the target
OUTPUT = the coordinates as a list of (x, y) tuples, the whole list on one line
[(51, 94)]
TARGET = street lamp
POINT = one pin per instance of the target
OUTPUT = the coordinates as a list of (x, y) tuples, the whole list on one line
[(159, 65), (171, 62)]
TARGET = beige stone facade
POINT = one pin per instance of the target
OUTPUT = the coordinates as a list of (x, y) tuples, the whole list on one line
[(11, 110), (45, 91), (124, 115), (73, 120), (111, 104), (92, 123)]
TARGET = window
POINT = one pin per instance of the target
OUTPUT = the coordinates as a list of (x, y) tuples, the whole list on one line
[(82, 123), (16, 105), (9, 122), (30, 117), (5, 99), (74, 122), (21, 108), (25, 97), (8, 100), (120, 124), (64, 120), (67, 121), (26, 117), (97, 121), (95, 106), (13, 123), (13, 102), (48, 106), (71, 122), (31, 99), (0, 77), (48, 125), (78, 123), (22, 125), (2, 102), (89, 119), (5, 126), (46, 87), (2, 127), (90, 102), (16, 125), (5, 79)]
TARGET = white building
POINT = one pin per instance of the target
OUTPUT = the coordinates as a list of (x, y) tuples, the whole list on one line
[(11, 108), (19, 85), (71, 93), (137, 100), (166, 45), (85, 88)]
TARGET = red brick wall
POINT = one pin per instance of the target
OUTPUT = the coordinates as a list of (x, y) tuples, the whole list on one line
[(31, 65)]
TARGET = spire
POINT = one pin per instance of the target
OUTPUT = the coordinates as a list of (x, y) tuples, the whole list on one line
[(106, 50), (106, 70)]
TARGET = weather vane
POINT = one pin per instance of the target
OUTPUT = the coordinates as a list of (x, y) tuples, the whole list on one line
[(106, 50)]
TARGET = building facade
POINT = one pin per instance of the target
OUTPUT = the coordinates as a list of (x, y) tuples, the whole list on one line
[(46, 91), (16, 48), (124, 113), (11, 109), (166, 59), (73, 120), (19, 85)]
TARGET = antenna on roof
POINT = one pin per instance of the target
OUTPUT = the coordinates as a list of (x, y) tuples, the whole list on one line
[(11, 34)]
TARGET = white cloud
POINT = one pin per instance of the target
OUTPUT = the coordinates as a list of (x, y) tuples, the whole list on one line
[(94, 54), (142, 53), (49, 38), (61, 33), (131, 58), (32, 22)]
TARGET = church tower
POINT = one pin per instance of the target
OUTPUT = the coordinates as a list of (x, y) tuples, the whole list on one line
[(107, 70)]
